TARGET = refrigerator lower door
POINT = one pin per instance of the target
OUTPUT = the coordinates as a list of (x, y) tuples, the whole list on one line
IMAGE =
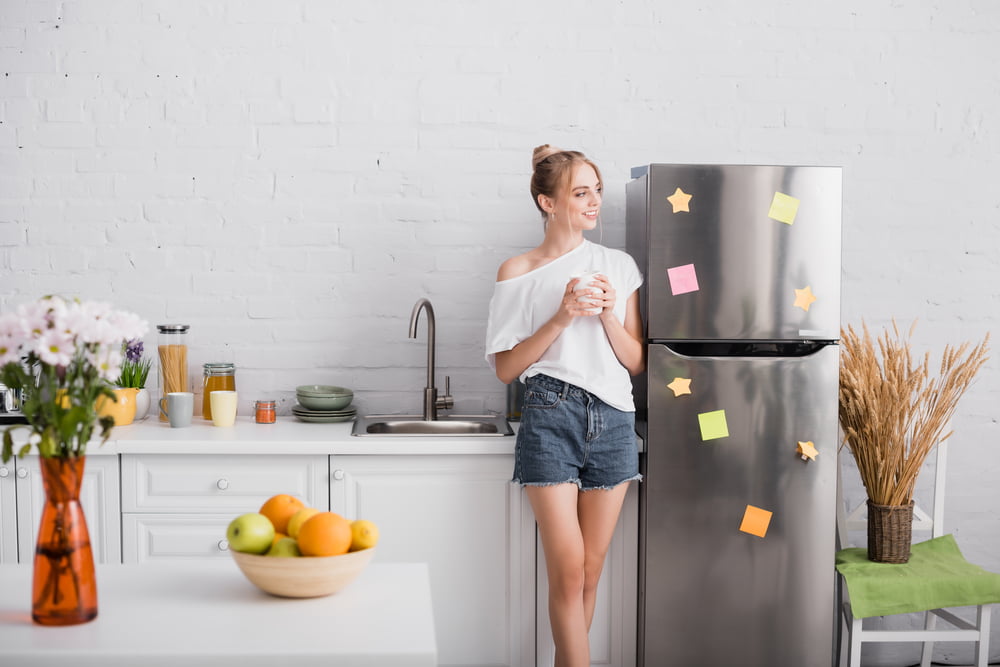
[(713, 594)]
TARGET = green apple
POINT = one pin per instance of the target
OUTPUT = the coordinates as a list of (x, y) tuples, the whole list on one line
[(286, 547), (250, 533)]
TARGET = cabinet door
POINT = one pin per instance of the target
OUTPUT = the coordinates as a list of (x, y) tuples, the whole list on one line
[(99, 497), (462, 516), (148, 537), (613, 630), (219, 484), (8, 513)]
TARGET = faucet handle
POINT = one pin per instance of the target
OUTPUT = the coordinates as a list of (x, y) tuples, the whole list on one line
[(446, 402)]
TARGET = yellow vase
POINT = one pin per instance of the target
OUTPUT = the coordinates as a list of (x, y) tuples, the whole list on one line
[(123, 411)]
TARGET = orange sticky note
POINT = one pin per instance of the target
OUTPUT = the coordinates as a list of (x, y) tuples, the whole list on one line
[(755, 521)]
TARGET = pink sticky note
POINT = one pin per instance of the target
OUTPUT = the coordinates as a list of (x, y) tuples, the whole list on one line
[(682, 279)]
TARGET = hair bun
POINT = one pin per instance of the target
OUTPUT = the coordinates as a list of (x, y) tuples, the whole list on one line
[(542, 152)]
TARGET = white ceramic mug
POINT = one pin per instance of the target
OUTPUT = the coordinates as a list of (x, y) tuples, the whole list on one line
[(179, 408), (223, 407), (584, 284)]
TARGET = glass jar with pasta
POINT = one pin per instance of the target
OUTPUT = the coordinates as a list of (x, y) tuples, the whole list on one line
[(172, 346)]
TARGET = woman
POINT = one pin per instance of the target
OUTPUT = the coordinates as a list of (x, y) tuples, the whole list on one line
[(574, 345)]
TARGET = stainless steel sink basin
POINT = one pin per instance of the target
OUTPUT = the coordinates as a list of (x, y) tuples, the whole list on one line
[(444, 425)]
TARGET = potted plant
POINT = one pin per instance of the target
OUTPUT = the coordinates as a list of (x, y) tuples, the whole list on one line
[(893, 413), (135, 371), (63, 354)]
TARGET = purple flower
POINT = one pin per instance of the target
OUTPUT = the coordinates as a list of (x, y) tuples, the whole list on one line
[(133, 350)]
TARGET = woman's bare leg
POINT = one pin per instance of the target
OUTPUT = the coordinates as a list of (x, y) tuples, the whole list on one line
[(575, 529), (598, 511)]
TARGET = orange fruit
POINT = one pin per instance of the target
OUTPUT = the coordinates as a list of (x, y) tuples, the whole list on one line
[(279, 509), (277, 536), (325, 534)]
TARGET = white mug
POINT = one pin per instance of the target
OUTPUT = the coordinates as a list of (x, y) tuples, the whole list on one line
[(584, 284), (223, 407)]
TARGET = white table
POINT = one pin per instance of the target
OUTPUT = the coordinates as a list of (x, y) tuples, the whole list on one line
[(207, 613)]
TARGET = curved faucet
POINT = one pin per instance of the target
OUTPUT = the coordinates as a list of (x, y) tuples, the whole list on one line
[(431, 401)]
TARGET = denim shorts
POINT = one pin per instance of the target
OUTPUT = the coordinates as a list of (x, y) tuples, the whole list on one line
[(568, 435)]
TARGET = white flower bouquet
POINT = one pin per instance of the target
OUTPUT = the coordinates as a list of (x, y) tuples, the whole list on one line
[(63, 354)]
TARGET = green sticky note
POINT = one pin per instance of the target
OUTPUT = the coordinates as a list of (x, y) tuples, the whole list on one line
[(713, 425), (783, 208)]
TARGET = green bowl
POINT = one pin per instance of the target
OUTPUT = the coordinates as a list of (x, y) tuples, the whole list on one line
[(324, 402), (323, 390)]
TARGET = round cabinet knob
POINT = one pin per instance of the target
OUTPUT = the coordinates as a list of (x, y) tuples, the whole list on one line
[(223, 545), (22, 473), (223, 484), (338, 474), (4, 471)]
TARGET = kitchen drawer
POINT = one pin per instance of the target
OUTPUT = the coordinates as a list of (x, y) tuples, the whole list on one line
[(220, 484), (147, 537)]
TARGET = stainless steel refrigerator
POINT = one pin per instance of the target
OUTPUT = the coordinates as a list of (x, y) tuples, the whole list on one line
[(738, 409)]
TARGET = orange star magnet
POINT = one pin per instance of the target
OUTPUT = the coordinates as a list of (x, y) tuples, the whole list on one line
[(679, 200), (804, 298), (680, 386), (807, 450)]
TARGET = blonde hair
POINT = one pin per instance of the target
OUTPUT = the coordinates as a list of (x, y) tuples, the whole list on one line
[(552, 171)]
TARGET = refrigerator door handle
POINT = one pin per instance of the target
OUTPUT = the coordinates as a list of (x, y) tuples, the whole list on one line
[(746, 348)]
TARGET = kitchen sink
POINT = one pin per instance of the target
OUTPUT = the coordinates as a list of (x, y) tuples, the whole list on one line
[(444, 425)]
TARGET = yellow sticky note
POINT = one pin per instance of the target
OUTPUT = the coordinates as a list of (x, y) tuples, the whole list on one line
[(713, 425), (756, 521), (783, 208)]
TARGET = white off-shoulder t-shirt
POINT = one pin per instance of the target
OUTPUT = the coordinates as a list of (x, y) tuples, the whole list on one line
[(582, 354)]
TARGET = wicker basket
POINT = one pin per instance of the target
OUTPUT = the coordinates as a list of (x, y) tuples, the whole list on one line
[(890, 531)]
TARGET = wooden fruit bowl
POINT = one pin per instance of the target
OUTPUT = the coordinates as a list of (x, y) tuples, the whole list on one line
[(305, 576)]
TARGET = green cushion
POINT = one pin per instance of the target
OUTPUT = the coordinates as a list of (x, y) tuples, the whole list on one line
[(937, 576)]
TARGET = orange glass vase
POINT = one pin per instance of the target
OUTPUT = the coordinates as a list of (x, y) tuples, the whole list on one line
[(64, 590)]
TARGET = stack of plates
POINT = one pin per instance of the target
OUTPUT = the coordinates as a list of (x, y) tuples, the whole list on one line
[(323, 403)]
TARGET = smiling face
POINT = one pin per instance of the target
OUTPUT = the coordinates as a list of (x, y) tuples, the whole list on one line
[(580, 203)]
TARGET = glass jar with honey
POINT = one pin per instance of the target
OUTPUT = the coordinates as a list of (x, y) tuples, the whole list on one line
[(218, 377)]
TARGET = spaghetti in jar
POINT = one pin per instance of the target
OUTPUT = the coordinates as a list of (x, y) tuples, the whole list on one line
[(172, 346)]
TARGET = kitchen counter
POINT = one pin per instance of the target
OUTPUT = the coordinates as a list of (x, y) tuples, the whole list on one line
[(207, 613), (152, 436)]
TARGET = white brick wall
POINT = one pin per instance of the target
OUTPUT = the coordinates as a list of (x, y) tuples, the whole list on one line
[(290, 177)]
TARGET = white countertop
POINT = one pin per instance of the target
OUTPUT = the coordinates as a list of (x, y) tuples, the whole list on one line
[(287, 436), (207, 613)]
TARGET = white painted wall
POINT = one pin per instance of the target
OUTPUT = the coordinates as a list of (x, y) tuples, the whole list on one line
[(290, 177)]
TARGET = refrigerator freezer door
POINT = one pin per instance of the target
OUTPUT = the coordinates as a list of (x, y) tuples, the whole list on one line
[(714, 594), (728, 267)]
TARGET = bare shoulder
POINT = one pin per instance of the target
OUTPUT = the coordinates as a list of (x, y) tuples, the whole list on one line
[(515, 266)]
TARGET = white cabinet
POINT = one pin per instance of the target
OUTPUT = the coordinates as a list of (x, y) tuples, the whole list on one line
[(8, 512), (613, 631), (177, 507), (462, 516), (22, 497)]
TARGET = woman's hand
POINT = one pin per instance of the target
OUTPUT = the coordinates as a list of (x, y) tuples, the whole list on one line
[(571, 306)]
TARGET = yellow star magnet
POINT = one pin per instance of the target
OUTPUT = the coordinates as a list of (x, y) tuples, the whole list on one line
[(680, 386), (679, 200), (804, 298), (807, 450)]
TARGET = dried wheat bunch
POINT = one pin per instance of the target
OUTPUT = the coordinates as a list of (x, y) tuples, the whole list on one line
[(893, 412)]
